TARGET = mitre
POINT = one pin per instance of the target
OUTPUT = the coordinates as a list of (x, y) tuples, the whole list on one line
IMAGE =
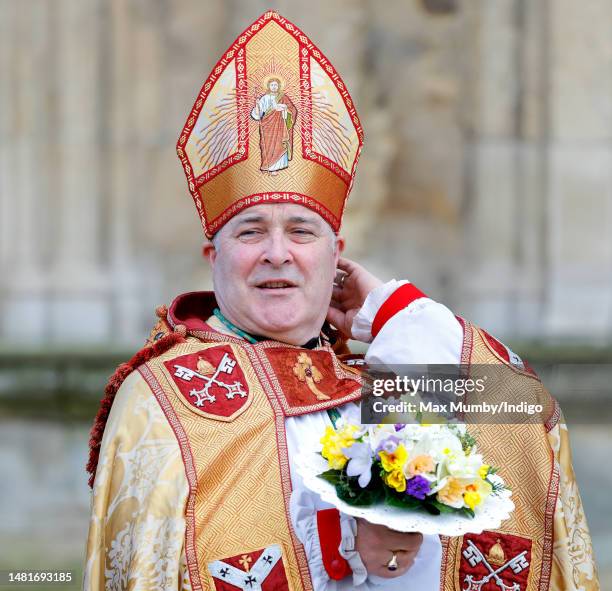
[(273, 123)]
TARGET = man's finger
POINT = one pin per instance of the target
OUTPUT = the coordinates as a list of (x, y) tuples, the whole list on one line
[(338, 293), (347, 265), (337, 318), (403, 541)]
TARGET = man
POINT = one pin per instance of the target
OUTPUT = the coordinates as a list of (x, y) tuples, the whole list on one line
[(194, 445)]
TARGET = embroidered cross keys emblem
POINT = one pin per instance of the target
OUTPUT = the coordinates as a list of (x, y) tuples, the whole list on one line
[(203, 395), (211, 382), (305, 371), (508, 574)]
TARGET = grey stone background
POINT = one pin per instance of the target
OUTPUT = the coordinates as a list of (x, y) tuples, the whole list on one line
[(486, 179)]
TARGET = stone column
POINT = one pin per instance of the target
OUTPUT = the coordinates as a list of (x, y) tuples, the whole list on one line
[(79, 308), (24, 200), (580, 171), (488, 281)]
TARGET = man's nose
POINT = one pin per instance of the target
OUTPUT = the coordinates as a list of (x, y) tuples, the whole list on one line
[(277, 251)]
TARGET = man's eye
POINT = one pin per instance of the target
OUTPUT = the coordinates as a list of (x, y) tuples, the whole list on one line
[(247, 233), (302, 232)]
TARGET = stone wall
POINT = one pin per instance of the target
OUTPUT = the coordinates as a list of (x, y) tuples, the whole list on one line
[(486, 176)]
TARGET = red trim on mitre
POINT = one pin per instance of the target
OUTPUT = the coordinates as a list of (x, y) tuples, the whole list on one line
[(276, 197), (401, 298), (121, 373), (234, 51), (328, 526)]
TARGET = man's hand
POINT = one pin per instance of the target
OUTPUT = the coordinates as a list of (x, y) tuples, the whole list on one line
[(376, 545), (352, 286)]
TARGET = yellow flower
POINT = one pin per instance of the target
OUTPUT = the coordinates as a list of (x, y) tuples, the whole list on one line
[(452, 492), (333, 441), (476, 493), (472, 499), (336, 462), (396, 479), (420, 464), (484, 469), (471, 496), (482, 487), (395, 460)]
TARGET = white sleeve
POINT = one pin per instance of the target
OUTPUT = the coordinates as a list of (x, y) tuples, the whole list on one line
[(424, 574), (424, 332), (304, 505)]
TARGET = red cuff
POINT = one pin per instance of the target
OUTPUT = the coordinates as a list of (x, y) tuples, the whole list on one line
[(396, 302), (328, 524)]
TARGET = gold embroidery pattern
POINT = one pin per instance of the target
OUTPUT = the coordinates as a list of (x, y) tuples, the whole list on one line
[(190, 472), (242, 475), (324, 159), (283, 456), (245, 561), (339, 371), (305, 371), (533, 516)]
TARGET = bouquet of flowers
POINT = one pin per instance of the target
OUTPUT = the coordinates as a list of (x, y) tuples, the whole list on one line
[(433, 467), (427, 478)]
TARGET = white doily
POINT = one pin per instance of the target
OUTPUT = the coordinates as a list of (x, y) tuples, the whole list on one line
[(489, 515)]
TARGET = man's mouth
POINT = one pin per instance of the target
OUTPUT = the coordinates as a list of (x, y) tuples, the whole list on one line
[(276, 284)]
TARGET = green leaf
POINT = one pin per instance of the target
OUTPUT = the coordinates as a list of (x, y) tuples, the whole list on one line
[(440, 507), (350, 492), (332, 476), (467, 512), (467, 442), (430, 508), (403, 501)]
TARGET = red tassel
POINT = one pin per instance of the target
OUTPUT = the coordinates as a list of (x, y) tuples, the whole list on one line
[(122, 372)]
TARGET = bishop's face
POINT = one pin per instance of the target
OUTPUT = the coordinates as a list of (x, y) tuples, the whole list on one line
[(273, 271)]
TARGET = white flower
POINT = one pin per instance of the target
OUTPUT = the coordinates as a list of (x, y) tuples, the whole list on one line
[(464, 467), (360, 462), (438, 443)]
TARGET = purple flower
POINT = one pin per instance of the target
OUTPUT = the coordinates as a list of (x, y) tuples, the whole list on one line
[(399, 427), (417, 487), (389, 445)]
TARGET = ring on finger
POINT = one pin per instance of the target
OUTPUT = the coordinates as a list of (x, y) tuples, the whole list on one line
[(392, 564)]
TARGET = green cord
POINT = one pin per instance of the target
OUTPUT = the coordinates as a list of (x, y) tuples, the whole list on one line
[(334, 415), (233, 327)]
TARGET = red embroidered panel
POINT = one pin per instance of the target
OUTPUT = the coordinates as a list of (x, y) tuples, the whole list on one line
[(492, 561), (507, 354), (262, 569), (307, 377), (211, 381)]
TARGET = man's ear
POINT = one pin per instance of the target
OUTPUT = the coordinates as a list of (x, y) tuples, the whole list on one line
[(209, 252), (339, 247)]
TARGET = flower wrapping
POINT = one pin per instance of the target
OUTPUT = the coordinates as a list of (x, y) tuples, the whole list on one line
[(435, 468)]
